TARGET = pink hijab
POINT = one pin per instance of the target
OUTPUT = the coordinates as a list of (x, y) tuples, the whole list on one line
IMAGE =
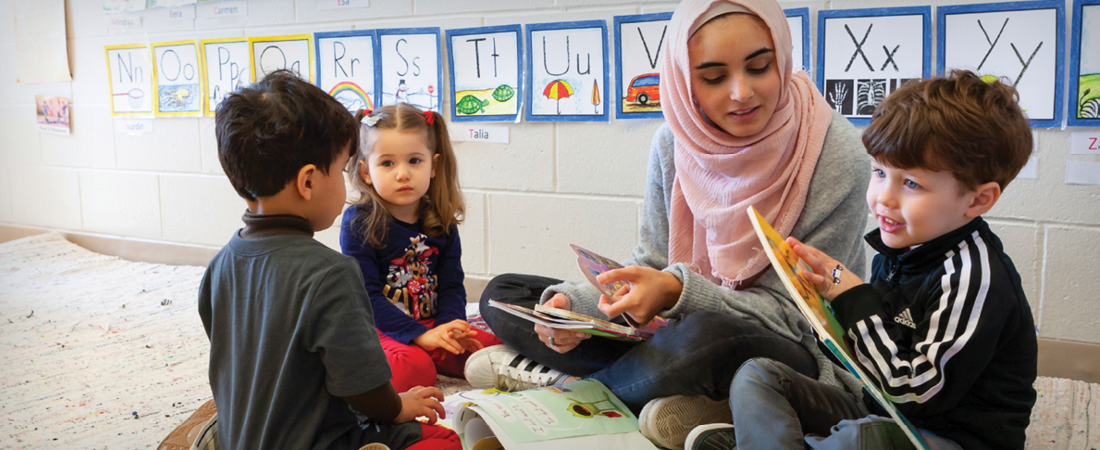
[(718, 175)]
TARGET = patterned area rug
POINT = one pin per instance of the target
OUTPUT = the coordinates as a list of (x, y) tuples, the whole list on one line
[(1066, 415), (99, 352)]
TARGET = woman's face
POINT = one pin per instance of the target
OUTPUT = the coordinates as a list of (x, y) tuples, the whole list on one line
[(734, 74)]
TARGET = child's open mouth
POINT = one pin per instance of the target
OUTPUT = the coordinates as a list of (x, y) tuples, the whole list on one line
[(889, 226)]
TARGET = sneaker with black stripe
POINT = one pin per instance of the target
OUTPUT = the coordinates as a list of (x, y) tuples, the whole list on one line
[(503, 368), (712, 436)]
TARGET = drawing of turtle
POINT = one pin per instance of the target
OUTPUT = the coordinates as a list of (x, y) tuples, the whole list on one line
[(504, 93), (471, 105)]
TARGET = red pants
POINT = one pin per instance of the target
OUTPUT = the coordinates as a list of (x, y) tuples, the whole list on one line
[(435, 437), (413, 366)]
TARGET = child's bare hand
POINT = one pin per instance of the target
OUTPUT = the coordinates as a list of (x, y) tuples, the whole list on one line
[(442, 336), (421, 402), (466, 339), (823, 266)]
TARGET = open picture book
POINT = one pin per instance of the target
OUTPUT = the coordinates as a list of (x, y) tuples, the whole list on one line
[(568, 320), (591, 265), (581, 415), (818, 312)]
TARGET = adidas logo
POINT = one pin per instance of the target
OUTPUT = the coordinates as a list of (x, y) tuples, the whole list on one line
[(905, 318)]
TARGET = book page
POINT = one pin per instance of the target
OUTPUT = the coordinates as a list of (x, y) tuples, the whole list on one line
[(588, 325), (581, 408)]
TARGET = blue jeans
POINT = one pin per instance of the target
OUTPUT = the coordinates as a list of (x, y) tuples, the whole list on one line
[(775, 407), (695, 355)]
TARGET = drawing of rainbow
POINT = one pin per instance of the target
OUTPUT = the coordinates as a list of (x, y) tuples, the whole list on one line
[(351, 96)]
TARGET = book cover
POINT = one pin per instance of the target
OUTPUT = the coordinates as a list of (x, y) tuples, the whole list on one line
[(817, 312), (592, 265)]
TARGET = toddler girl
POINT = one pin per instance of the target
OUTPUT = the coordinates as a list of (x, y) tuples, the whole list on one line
[(403, 231)]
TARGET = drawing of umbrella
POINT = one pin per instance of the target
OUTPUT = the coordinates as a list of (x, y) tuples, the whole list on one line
[(596, 96), (557, 90)]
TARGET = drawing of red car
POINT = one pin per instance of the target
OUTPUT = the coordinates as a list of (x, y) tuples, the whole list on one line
[(644, 88)]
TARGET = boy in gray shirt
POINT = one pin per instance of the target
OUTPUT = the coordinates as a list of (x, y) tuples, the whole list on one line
[(293, 349)]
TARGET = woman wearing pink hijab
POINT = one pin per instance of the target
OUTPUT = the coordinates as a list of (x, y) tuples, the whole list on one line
[(742, 129)]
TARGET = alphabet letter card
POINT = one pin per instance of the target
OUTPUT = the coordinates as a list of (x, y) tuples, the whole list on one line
[(131, 80), (346, 68), (1020, 43), (272, 53), (865, 54), (1084, 75), (640, 48), (226, 67), (179, 83), (485, 73), (412, 68), (567, 71)]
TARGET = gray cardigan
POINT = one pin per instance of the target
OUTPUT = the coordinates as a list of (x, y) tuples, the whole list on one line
[(833, 220)]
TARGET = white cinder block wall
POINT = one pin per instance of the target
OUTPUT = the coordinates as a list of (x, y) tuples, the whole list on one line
[(554, 184)]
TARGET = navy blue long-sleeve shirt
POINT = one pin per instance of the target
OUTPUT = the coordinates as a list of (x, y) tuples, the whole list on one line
[(413, 277)]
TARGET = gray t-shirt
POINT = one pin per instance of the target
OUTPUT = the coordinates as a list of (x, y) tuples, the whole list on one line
[(291, 331)]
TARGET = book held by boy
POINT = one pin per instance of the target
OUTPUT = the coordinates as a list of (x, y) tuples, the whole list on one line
[(818, 312)]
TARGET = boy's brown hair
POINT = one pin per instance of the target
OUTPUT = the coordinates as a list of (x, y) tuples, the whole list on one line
[(959, 123), (442, 207), (268, 131)]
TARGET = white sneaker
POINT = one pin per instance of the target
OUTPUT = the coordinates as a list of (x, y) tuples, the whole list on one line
[(505, 369), (712, 436), (668, 420)]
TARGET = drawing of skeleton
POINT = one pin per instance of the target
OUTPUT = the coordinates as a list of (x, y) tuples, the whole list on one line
[(837, 96), (869, 94)]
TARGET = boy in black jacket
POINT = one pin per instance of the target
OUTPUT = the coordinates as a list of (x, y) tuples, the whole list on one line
[(943, 327)]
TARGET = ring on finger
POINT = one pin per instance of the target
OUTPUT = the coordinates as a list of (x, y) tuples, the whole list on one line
[(550, 341)]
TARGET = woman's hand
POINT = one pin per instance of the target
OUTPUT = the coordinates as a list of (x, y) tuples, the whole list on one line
[(823, 266), (421, 401), (451, 336), (564, 340), (648, 292)]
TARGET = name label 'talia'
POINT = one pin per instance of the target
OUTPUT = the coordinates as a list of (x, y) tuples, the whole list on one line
[(481, 133)]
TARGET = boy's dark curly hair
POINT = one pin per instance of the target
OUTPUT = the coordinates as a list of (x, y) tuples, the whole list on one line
[(268, 131)]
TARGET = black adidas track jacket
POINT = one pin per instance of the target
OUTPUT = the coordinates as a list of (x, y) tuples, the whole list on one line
[(945, 330)]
